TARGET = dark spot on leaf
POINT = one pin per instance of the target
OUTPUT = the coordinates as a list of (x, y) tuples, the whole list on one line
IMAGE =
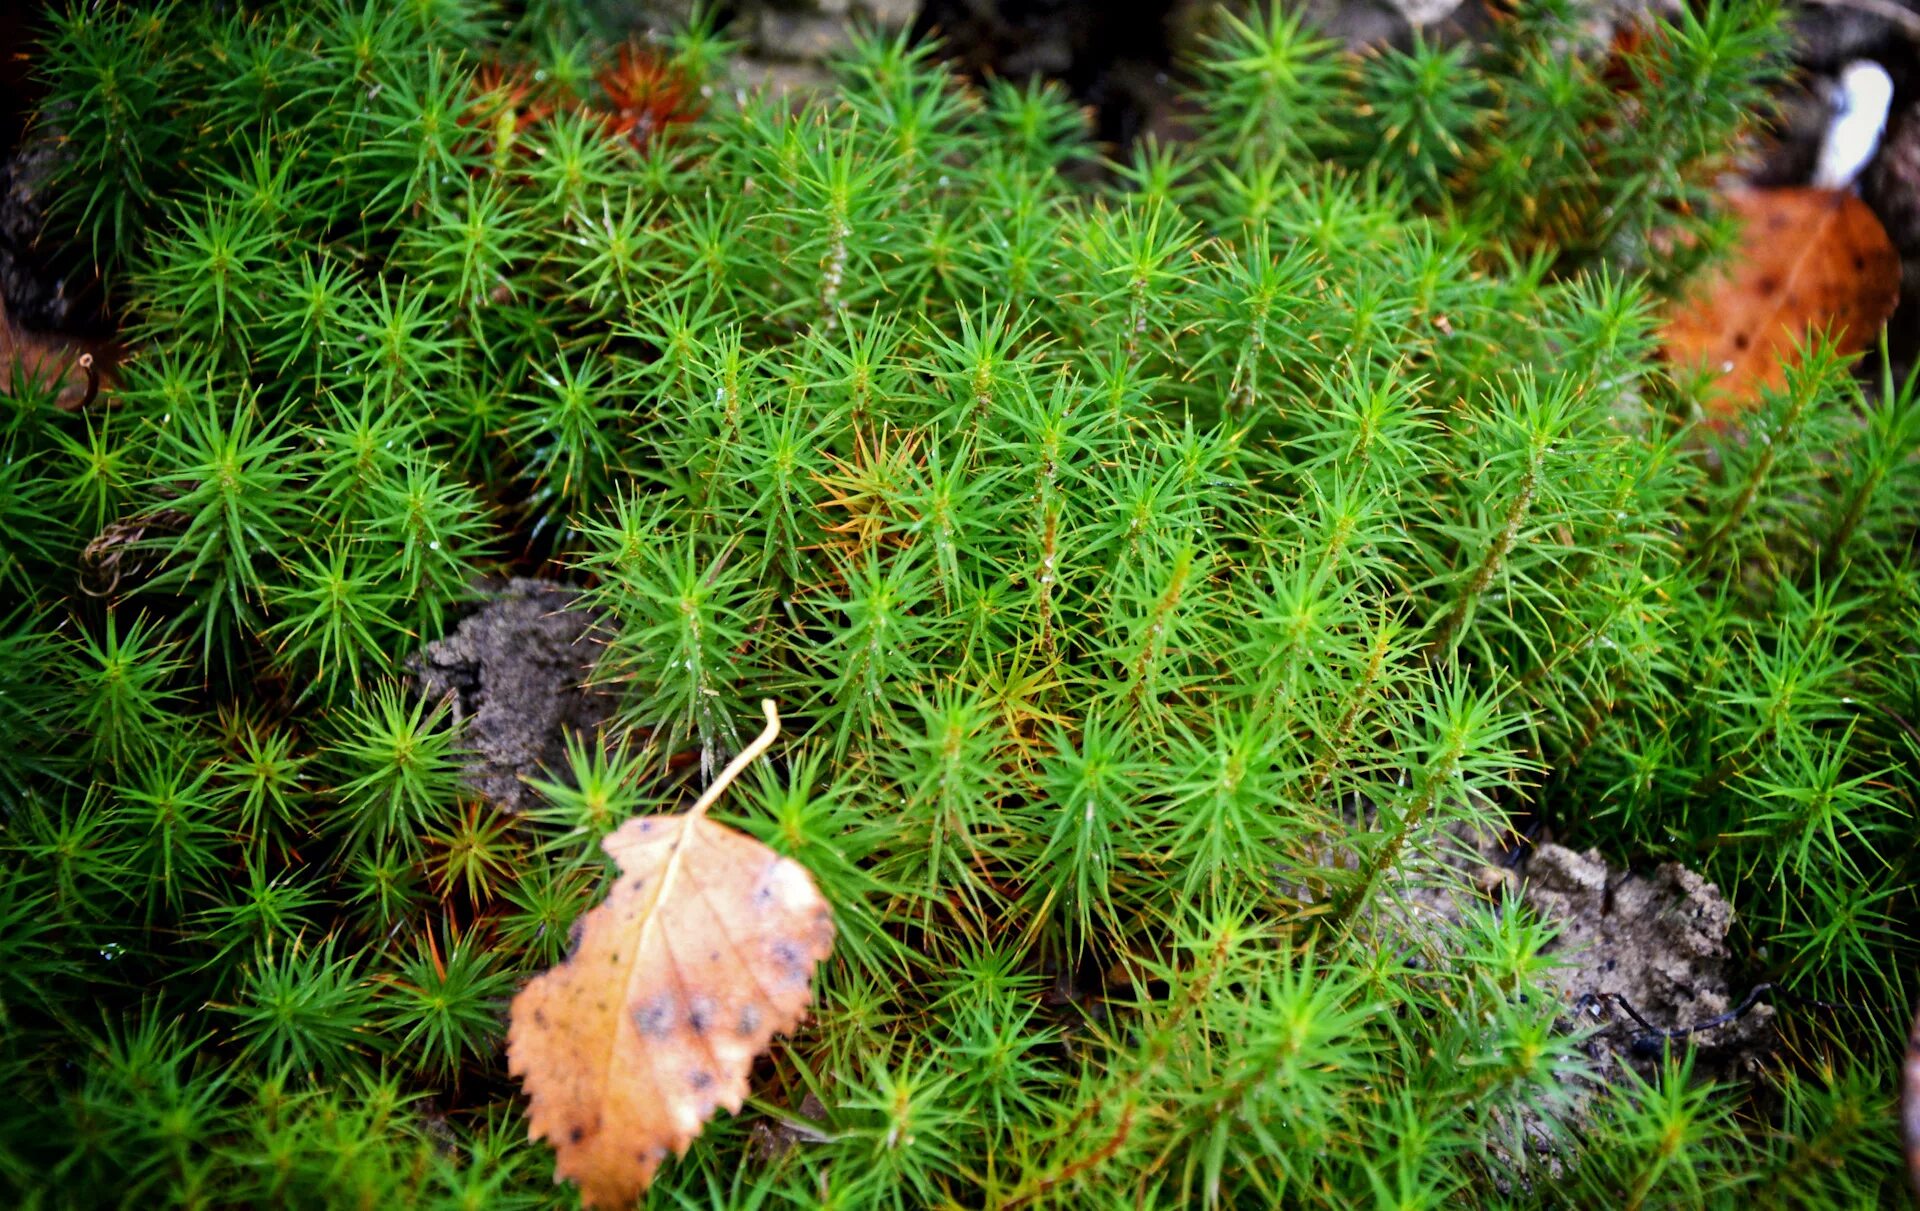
[(700, 1015), (792, 960), (646, 826), (655, 1018), (574, 934), (1767, 284), (540, 1018), (700, 1079), (749, 1019), (1741, 340), (577, 1134)]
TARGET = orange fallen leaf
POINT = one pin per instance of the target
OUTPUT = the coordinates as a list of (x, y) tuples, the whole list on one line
[(703, 951), (1805, 259)]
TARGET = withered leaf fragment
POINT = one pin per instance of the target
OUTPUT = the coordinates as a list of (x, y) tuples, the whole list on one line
[(701, 953), (71, 371)]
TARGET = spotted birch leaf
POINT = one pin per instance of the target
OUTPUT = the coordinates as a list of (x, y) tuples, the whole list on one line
[(701, 953)]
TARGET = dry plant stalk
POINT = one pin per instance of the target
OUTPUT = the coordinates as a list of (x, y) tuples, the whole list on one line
[(703, 951)]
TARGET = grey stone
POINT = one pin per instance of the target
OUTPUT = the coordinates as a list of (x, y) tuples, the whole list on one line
[(1422, 13), (803, 36), (1826, 37), (1359, 23), (891, 14), (795, 80)]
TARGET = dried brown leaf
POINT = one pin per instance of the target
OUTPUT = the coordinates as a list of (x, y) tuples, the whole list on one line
[(1805, 259), (702, 952)]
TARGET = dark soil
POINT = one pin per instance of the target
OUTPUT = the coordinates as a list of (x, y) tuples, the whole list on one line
[(45, 286), (1116, 58), (516, 672), (1657, 942)]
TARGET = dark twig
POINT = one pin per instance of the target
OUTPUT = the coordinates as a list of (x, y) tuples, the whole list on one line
[(1650, 1035), (93, 380)]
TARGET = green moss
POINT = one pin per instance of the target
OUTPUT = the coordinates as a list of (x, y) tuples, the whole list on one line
[(1156, 566)]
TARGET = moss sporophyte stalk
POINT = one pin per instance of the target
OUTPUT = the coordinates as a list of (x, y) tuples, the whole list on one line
[(1184, 571)]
